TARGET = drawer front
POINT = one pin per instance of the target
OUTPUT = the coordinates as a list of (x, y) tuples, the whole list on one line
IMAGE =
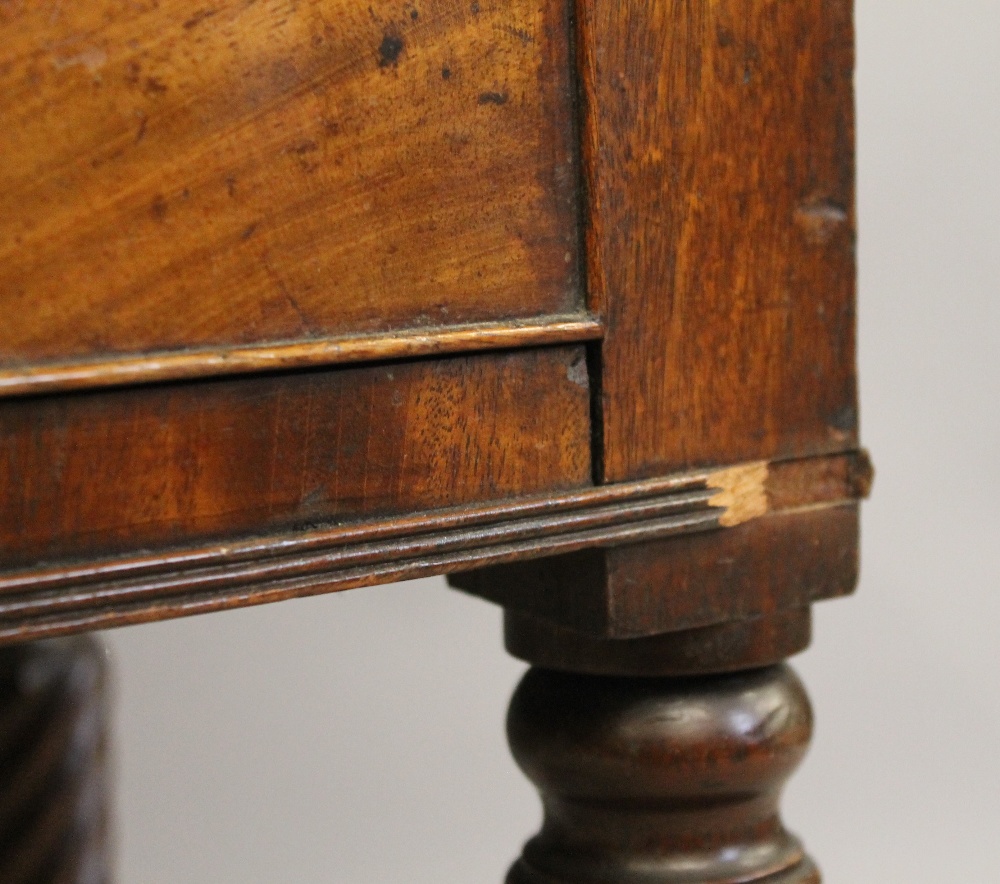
[(182, 175), (93, 474)]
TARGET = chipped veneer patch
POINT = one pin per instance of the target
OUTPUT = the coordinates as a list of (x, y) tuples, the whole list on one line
[(741, 492)]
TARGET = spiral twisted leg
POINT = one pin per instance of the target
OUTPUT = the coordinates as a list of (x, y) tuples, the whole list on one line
[(53, 763)]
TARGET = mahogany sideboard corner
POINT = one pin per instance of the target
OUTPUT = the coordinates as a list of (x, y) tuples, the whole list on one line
[(554, 297)]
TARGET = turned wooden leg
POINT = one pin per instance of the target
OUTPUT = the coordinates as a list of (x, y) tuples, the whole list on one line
[(662, 780), (53, 770)]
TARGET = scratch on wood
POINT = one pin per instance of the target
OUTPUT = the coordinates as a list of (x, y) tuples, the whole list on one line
[(519, 33), (92, 58), (198, 18), (741, 492), (497, 98), (820, 219)]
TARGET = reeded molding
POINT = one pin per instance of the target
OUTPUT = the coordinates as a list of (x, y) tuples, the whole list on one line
[(72, 597)]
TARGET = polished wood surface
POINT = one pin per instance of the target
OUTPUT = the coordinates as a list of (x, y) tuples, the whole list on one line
[(66, 596), (776, 563), (723, 647), (179, 175), (799, 546), (93, 474), (91, 477), (592, 268), (718, 149), (385, 346), (672, 781), (717, 154)]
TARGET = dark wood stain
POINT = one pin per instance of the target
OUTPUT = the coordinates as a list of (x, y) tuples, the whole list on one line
[(193, 193), (723, 647), (104, 472), (56, 598), (776, 563), (801, 551), (645, 779), (389, 50), (493, 98), (804, 549)]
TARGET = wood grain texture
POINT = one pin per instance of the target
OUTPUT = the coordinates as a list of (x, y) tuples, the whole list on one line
[(802, 549), (530, 515), (93, 474), (404, 344), (661, 781), (777, 563), (231, 173), (63, 597), (718, 158)]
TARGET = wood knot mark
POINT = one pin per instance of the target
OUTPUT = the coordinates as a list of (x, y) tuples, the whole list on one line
[(820, 219), (389, 51), (741, 493)]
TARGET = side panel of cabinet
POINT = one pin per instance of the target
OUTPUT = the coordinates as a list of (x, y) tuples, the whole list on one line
[(97, 473), (719, 156)]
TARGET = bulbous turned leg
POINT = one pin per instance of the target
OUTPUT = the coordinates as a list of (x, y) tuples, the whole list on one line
[(661, 780), (53, 783)]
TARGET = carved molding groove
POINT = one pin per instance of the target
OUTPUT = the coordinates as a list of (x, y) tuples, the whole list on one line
[(70, 597)]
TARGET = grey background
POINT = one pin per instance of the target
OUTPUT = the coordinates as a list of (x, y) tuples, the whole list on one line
[(358, 739)]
